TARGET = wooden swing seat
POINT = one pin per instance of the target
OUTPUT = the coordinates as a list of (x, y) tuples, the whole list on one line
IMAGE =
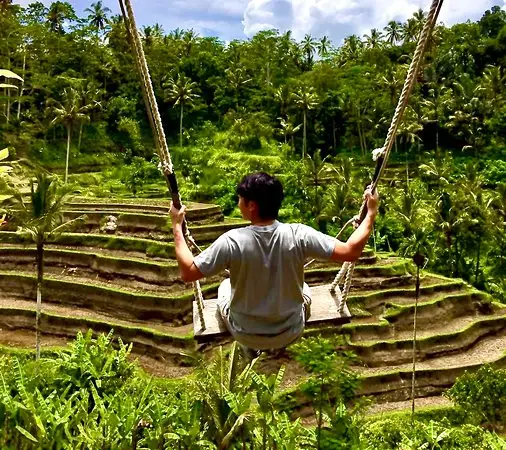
[(323, 311)]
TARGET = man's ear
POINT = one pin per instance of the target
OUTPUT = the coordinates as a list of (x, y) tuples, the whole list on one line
[(253, 207)]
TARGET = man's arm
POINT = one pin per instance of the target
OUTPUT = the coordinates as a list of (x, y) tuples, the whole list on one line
[(353, 247), (187, 269)]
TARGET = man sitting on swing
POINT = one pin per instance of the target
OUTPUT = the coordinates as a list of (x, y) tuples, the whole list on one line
[(265, 303)]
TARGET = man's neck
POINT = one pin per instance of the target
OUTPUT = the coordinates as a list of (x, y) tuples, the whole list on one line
[(262, 223)]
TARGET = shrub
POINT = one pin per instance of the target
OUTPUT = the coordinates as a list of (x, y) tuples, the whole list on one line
[(390, 434), (94, 362), (481, 394), (139, 173), (495, 172)]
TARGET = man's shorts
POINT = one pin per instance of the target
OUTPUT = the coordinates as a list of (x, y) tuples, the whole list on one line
[(225, 294)]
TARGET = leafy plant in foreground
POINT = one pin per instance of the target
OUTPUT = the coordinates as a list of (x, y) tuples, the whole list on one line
[(482, 394), (330, 389)]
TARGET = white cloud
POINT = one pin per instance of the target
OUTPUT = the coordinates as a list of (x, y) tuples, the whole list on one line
[(27, 2), (337, 19), (340, 18)]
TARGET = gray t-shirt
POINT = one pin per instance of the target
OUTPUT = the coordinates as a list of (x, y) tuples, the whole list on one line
[(266, 266)]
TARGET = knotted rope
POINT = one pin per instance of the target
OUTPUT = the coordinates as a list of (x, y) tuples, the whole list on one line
[(381, 155), (155, 121)]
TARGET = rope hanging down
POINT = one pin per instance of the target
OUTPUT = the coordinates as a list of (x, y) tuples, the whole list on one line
[(381, 155), (155, 121)]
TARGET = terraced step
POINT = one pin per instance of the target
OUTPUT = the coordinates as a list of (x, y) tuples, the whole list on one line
[(431, 314), (120, 303), (195, 211), (431, 287), (393, 383), (383, 268), (153, 226), (383, 353), (153, 341), (137, 246), (97, 264), (440, 310)]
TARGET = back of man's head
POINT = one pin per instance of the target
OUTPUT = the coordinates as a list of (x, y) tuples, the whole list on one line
[(265, 190)]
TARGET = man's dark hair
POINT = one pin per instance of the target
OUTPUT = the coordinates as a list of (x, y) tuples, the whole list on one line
[(265, 190)]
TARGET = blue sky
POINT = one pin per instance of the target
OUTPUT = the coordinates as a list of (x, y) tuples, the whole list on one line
[(239, 19)]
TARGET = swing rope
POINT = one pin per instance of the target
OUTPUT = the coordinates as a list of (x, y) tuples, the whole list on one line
[(381, 155), (155, 121)]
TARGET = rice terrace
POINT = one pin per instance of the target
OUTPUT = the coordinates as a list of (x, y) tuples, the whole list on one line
[(129, 322)]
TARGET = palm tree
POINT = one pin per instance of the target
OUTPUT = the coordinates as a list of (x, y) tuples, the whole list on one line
[(342, 201), (306, 100), (393, 32), (323, 47), (152, 34), (58, 12), (493, 86), (181, 92), (435, 105), (351, 48), (316, 169), (392, 81), (308, 47), (189, 40), (98, 15), (374, 39), (467, 118), (89, 96), (237, 78), (420, 16), (410, 30), (288, 129), (69, 112), (283, 95), (41, 219)]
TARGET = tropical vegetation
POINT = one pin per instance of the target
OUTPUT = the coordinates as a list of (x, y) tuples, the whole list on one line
[(310, 112)]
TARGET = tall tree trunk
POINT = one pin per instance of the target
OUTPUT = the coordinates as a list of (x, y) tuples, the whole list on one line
[(40, 278), (457, 258), (181, 127), (8, 91), (334, 133), (477, 270), (8, 105), (69, 132), (81, 125), (304, 140), (22, 85), (437, 135), (360, 137)]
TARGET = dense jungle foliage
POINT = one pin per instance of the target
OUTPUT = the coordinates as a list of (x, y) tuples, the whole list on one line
[(308, 111), (93, 397)]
